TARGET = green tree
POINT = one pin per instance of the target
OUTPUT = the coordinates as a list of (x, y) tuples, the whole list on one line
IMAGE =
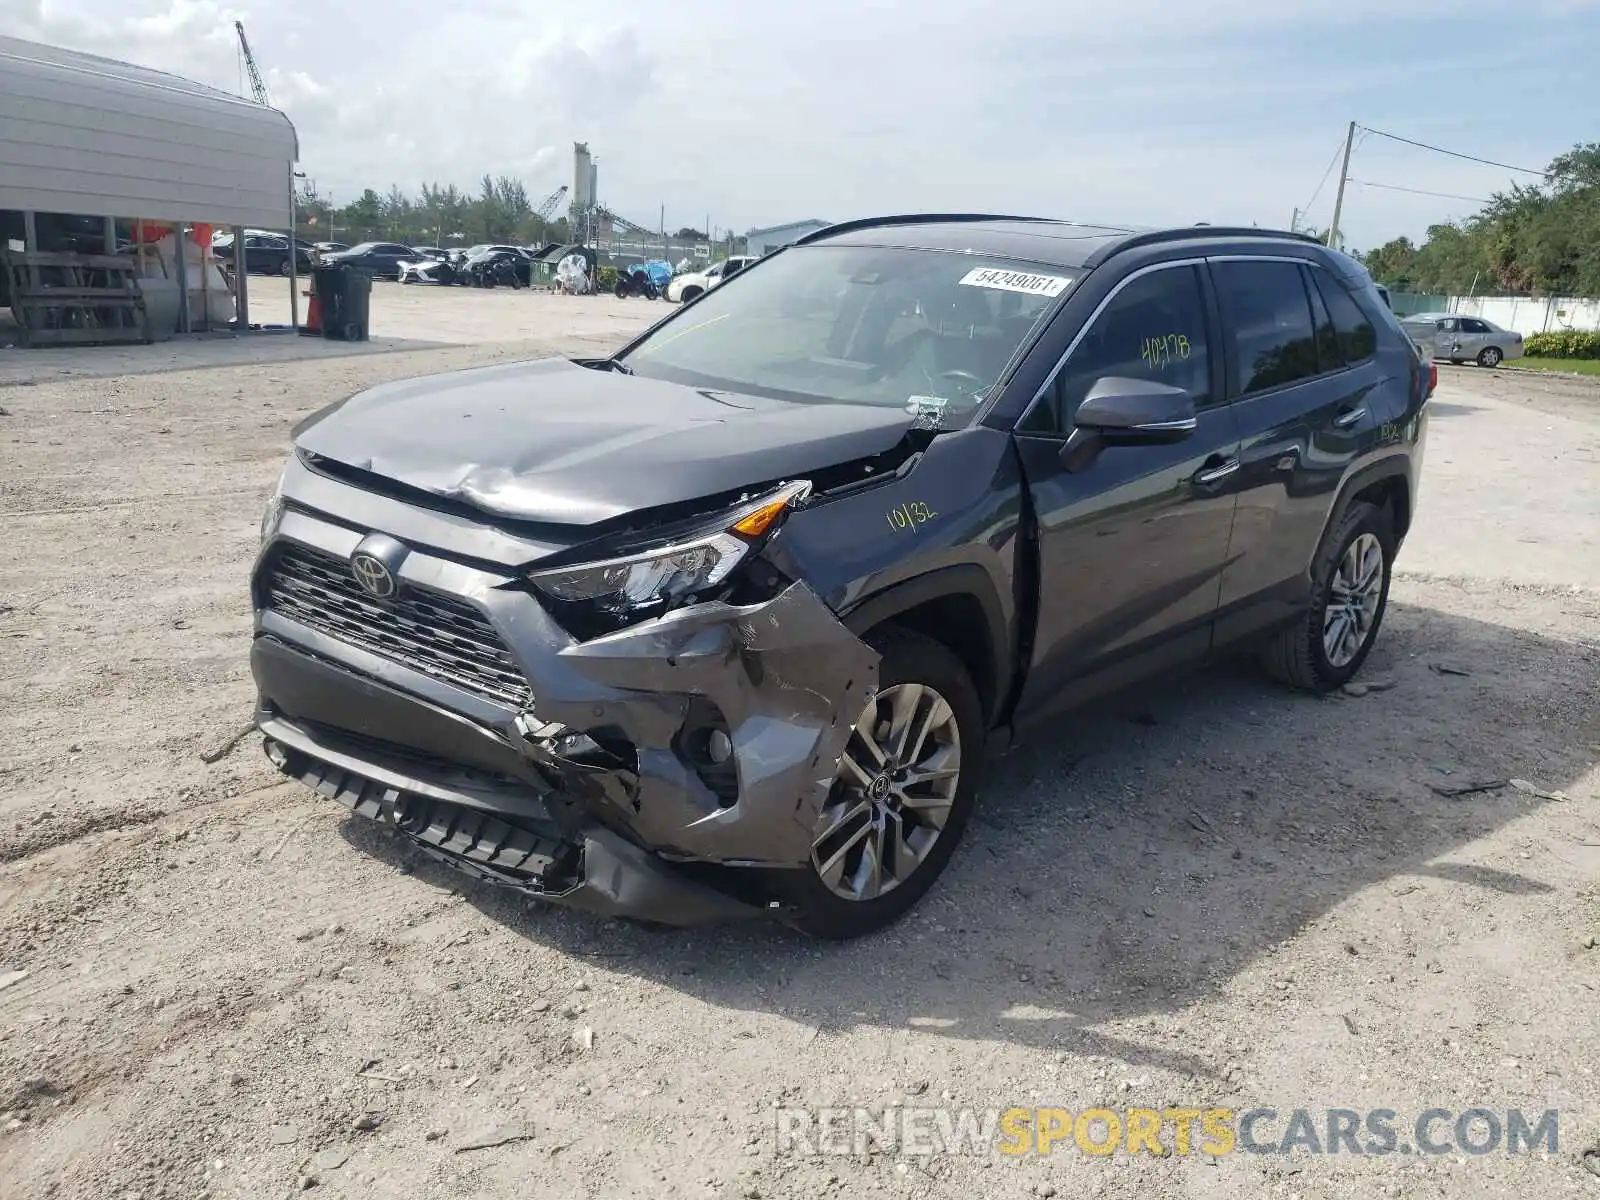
[(363, 217), (398, 214), (1543, 239)]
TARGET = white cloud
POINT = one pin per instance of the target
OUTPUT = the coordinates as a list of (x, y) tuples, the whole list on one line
[(1136, 111)]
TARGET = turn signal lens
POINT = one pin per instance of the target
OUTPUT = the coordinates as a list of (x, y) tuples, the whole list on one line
[(758, 522)]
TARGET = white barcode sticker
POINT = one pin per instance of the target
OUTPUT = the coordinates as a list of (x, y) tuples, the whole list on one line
[(1016, 281)]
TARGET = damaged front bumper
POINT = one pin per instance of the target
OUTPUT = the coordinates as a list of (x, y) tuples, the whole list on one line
[(654, 772)]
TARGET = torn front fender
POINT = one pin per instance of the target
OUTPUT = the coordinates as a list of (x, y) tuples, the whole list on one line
[(788, 681)]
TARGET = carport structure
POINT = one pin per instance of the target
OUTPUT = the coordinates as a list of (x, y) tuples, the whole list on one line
[(92, 137)]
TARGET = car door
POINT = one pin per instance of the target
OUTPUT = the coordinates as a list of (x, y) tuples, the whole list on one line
[(1447, 339), (1310, 397), (1131, 541), (1475, 336)]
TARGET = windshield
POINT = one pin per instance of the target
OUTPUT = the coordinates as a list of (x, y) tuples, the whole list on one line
[(925, 330)]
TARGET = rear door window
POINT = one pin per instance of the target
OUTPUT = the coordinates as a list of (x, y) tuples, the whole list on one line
[(1273, 341), (1348, 337)]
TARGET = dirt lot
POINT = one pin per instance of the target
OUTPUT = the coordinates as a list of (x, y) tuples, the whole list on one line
[(402, 318), (1216, 894)]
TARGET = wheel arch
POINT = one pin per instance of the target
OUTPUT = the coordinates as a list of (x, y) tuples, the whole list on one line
[(957, 606), (1385, 484)]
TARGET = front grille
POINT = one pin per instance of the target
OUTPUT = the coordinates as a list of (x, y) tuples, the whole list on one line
[(428, 631)]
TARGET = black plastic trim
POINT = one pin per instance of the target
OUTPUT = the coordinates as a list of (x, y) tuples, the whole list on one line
[(965, 579)]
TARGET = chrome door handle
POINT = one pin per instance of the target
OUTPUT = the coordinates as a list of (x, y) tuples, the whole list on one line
[(1346, 419), (1215, 474)]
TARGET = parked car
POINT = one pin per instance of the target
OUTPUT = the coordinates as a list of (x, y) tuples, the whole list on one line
[(694, 283), (1461, 339), (376, 258), (264, 254), (442, 271), (727, 623), (329, 247)]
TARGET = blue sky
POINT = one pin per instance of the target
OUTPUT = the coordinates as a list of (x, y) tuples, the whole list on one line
[(1142, 111)]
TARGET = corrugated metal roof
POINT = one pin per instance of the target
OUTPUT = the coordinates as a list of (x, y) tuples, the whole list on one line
[(808, 223), (92, 136)]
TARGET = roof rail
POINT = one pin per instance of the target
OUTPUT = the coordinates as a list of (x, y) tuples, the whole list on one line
[(1156, 236), (914, 219)]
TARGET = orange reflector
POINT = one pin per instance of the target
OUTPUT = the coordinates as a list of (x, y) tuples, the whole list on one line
[(761, 520)]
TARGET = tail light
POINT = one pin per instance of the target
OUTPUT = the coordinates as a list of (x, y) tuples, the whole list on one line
[(1433, 378)]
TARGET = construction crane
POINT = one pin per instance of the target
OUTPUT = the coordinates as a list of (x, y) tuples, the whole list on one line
[(549, 206), (256, 84)]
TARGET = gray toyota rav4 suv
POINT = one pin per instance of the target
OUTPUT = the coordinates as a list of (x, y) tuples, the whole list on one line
[(727, 623)]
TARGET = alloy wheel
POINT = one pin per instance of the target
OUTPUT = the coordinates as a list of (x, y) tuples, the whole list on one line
[(897, 782), (1491, 356), (1353, 599)]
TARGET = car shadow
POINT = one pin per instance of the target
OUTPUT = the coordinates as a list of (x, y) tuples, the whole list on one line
[(1439, 408), (1152, 850)]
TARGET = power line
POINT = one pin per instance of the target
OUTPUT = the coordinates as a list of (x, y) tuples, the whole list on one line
[(1337, 150), (1488, 162), (1395, 187)]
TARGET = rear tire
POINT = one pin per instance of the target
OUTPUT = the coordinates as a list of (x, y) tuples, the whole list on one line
[(1310, 655), (909, 661), (1490, 357)]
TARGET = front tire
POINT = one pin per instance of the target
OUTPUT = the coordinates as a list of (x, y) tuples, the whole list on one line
[(1490, 357), (1324, 649), (904, 794), (690, 293)]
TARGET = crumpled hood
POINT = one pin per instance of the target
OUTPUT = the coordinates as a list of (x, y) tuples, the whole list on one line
[(553, 441)]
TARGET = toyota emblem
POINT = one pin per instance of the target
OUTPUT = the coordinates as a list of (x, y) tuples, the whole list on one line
[(375, 578)]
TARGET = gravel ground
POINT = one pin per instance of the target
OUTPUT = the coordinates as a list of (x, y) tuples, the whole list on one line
[(1212, 894)]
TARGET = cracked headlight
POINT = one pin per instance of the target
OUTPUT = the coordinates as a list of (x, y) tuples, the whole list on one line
[(274, 513), (670, 572)]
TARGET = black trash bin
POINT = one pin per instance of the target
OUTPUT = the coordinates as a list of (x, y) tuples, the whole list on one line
[(346, 296)]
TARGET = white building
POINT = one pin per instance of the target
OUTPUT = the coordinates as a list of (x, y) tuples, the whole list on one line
[(763, 241)]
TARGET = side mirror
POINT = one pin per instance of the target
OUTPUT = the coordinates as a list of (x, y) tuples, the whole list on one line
[(1136, 412)]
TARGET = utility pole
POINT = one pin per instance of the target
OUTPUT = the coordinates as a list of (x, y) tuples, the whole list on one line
[(1344, 174)]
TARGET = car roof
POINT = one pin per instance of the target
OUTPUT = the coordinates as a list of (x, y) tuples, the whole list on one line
[(1070, 244)]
